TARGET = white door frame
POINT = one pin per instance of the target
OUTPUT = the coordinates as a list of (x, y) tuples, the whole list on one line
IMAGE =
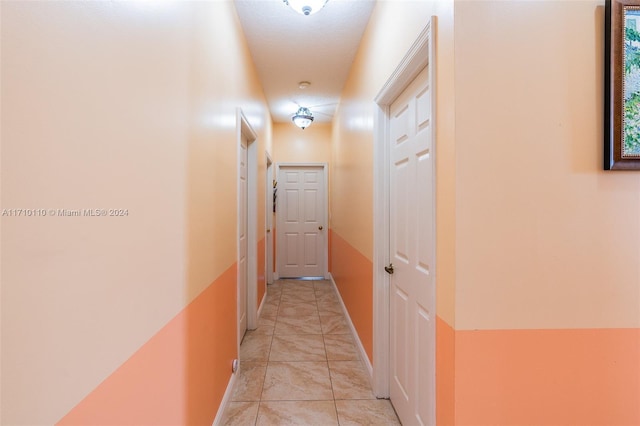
[(419, 55), (244, 129), (325, 214), (269, 220)]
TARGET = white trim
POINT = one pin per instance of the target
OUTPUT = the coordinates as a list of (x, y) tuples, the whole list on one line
[(421, 54), (361, 351), (244, 129), (262, 303), (269, 221), (252, 236), (325, 171), (381, 313), (222, 409)]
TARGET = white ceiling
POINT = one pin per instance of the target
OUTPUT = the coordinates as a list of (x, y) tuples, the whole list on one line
[(288, 48)]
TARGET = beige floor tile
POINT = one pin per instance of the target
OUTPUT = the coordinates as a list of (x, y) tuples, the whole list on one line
[(340, 347), (297, 347), (298, 297), (327, 296), (377, 412), (295, 305), (334, 324), (292, 325), (297, 381), (297, 284), (255, 347), (298, 310), (350, 380), (327, 307), (240, 414), (297, 413), (250, 380), (269, 312), (265, 327)]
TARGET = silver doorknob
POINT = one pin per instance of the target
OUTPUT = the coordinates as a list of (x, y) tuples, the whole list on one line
[(320, 227)]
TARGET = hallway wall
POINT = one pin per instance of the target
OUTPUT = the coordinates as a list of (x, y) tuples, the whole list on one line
[(538, 249), (548, 244), (122, 105), (294, 145), (391, 31)]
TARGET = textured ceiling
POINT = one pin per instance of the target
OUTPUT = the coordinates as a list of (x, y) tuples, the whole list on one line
[(288, 48)]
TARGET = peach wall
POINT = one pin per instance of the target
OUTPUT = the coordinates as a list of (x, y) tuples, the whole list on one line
[(294, 145), (353, 274), (171, 379), (262, 271), (531, 233), (547, 244), (548, 377), (126, 105), (557, 240), (445, 373), (391, 31)]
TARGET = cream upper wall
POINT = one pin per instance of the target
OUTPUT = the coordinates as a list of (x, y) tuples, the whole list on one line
[(294, 145), (393, 27), (113, 105), (545, 238)]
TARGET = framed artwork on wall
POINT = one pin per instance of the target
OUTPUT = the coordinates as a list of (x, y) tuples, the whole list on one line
[(622, 85)]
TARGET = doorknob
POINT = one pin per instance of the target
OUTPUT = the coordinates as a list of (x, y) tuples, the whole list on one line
[(389, 269), (320, 227)]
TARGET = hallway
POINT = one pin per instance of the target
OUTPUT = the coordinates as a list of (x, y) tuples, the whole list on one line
[(301, 365)]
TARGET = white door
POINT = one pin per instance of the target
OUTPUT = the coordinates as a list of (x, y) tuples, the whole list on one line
[(242, 237), (300, 212), (412, 235)]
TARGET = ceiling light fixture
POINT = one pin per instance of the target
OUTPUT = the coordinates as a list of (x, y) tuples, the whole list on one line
[(303, 118), (306, 7)]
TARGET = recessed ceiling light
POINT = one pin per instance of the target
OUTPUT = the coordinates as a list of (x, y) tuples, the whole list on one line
[(304, 84)]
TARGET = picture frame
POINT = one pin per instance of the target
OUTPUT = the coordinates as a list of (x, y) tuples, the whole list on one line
[(622, 85)]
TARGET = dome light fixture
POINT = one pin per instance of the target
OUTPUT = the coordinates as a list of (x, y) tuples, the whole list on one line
[(306, 7), (303, 118)]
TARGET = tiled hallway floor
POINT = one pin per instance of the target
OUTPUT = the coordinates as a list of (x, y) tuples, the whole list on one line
[(301, 366)]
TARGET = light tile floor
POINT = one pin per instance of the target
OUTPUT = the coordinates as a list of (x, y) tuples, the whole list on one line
[(301, 366)]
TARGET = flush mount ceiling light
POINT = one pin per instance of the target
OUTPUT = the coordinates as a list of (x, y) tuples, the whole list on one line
[(303, 118), (306, 7)]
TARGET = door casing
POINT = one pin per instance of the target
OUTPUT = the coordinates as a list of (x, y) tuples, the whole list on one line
[(325, 213), (244, 129), (420, 55), (269, 220)]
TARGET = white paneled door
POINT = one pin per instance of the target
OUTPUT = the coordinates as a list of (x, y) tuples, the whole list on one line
[(243, 203), (301, 227), (412, 234)]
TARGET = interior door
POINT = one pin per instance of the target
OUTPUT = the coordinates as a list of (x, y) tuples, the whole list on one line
[(242, 237), (412, 235), (300, 211)]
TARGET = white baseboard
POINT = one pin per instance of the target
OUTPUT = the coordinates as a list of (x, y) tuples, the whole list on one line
[(219, 419), (361, 351), (264, 297)]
